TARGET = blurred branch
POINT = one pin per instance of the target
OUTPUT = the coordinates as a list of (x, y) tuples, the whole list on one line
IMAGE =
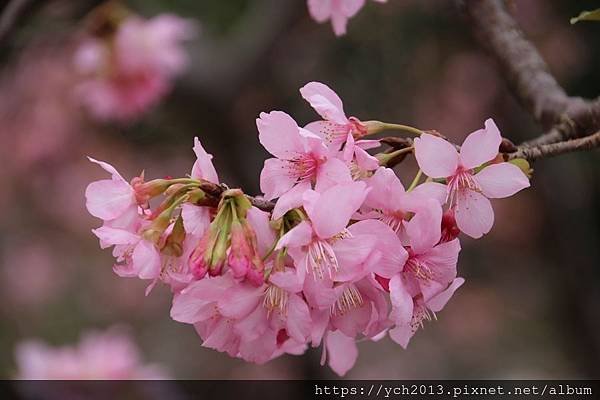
[(10, 14), (554, 149), (564, 117)]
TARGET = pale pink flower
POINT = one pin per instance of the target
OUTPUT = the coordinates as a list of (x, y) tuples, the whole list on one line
[(135, 255), (338, 11), (322, 246), (109, 199), (301, 156), (336, 126), (127, 76), (252, 323), (389, 202), (468, 190), (98, 356), (196, 219)]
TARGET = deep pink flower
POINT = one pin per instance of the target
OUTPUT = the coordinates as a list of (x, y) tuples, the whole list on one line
[(338, 11), (468, 191)]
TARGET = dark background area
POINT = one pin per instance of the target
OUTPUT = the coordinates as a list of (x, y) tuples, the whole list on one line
[(529, 308)]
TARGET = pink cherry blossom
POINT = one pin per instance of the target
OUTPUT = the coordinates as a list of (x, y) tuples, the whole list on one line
[(301, 156), (469, 190), (110, 199), (335, 127), (338, 11), (99, 356), (125, 77), (322, 247)]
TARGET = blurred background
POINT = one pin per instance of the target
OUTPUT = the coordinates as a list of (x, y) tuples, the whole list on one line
[(529, 308)]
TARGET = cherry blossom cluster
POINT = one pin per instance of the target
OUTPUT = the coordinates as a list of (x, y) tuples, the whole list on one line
[(109, 355), (337, 250), (338, 11), (128, 65)]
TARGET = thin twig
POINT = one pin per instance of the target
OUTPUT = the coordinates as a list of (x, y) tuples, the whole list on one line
[(532, 153), (10, 15)]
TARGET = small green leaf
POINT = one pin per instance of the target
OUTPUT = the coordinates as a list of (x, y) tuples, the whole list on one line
[(587, 16), (523, 164)]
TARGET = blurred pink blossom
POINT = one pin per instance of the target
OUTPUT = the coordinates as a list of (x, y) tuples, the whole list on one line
[(338, 11), (129, 73), (109, 355)]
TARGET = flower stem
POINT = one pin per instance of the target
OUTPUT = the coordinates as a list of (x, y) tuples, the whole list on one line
[(415, 181), (378, 126), (385, 158)]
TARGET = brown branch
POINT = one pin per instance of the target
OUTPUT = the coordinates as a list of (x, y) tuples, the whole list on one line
[(532, 153), (529, 76), (215, 191), (10, 15)]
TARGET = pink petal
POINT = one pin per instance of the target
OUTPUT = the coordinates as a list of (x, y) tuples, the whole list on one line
[(260, 223), (436, 157), (291, 199), (146, 260), (108, 199), (438, 302), (442, 259), (287, 280), (254, 325), (325, 101), (320, 10), (195, 219), (108, 168), (424, 228), (275, 178), (428, 190), (300, 235), (335, 207), (203, 167), (402, 304), (331, 173), (393, 254), (352, 254), (480, 146), (112, 236), (501, 180), (189, 309), (278, 133), (298, 321), (259, 350), (239, 300), (474, 214), (339, 22), (334, 134), (364, 160), (342, 352), (385, 190), (320, 321), (319, 293)]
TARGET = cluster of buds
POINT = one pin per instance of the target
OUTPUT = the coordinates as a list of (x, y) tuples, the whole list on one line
[(339, 251)]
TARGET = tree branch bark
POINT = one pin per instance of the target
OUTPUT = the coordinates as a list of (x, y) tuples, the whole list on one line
[(564, 117), (533, 153)]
